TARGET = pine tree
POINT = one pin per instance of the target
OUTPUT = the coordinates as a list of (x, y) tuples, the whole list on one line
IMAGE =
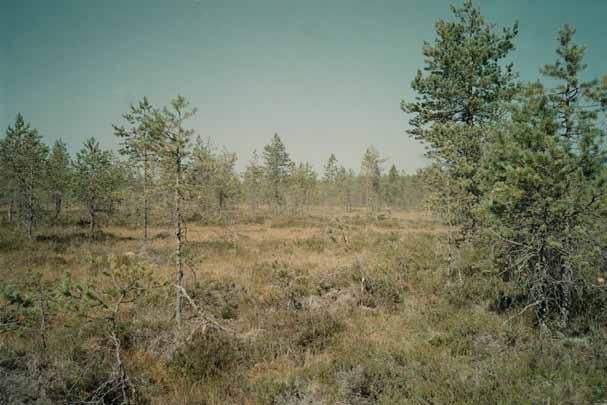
[(174, 151), (392, 187), (465, 81), (213, 176), (32, 159), (566, 70), (140, 144), (24, 156), (345, 183), (463, 89), (277, 166), (8, 155), (371, 173), (303, 182), (329, 179), (202, 173), (253, 181), (95, 180), (59, 175), (543, 181), (331, 169), (226, 182)]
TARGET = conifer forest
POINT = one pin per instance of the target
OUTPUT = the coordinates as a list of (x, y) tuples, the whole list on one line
[(169, 269)]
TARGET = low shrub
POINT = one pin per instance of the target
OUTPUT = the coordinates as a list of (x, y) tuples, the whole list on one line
[(210, 354)]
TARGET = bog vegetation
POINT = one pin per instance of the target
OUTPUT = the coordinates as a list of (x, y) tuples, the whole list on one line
[(160, 274)]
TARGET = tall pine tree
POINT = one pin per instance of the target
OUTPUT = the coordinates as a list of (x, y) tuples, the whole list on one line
[(24, 157), (253, 180), (544, 179), (370, 172), (175, 150), (59, 175), (95, 180), (277, 167), (140, 144), (462, 89)]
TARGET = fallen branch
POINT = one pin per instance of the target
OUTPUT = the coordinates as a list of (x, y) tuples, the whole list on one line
[(205, 318), (521, 313)]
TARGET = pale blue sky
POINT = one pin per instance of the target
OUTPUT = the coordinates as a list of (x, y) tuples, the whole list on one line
[(328, 76)]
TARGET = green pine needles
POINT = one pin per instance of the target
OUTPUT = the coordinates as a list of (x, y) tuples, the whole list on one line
[(516, 167)]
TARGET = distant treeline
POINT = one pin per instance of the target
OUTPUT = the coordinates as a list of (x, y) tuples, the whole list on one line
[(39, 181)]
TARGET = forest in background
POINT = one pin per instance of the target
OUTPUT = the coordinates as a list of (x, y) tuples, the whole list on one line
[(43, 184), (159, 274)]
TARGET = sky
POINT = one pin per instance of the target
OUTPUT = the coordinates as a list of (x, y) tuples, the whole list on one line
[(326, 75)]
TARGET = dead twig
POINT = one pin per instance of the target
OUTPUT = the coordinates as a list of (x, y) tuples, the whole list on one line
[(205, 319), (522, 312)]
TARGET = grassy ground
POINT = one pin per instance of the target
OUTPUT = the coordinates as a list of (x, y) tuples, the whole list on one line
[(348, 308)]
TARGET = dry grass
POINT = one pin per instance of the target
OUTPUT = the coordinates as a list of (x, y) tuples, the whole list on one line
[(345, 308)]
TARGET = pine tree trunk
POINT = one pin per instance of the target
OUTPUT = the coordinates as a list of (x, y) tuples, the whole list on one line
[(254, 204), (58, 200), (92, 221), (30, 206), (178, 240), (145, 218), (567, 113), (146, 170), (11, 207), (221, 202), (30, 224)]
